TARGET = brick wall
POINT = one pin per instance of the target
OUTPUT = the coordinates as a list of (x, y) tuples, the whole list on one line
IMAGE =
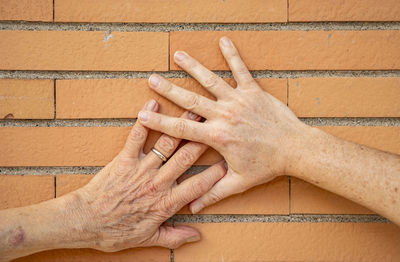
[(73, 77)]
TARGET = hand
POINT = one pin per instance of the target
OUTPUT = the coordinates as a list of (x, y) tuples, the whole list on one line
[(126, 203), (253, 131)]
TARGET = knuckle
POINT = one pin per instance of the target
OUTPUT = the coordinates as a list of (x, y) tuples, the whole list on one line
[(168, 87), (220, 137), (192, 101), (211, 82), (137, 134), (166, 144), (199, 186), (214, 197), (185, 158), (151, 187), (180, 127)]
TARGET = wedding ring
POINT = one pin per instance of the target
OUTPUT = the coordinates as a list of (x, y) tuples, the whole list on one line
[(158, 153)]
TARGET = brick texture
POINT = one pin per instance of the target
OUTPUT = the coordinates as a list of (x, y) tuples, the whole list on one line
[(154, 254), (295, 50), (348, 10), (271, 198), (309, 199), (96, 146), (345, 97), (80, 50), (293, 242), (26, 99), (18, 190), (66, 183), (171, 11), (118, 98), (28, 10)]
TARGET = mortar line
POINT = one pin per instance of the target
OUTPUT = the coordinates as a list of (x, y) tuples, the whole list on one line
[(61, 75), (290, 195), (168, 27), (55, 186), (287, 11), (55, 100), (128, 122), (292, 218), (54, 11)]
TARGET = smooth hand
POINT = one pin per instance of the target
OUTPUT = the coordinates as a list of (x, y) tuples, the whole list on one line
[(126, 203), (254, 132)]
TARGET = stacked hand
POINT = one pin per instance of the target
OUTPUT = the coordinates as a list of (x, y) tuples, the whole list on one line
[(254, 132)]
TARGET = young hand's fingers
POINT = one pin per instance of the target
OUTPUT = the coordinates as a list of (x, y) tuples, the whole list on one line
[(173, 237), (239, 69), (176, 127), (180, 162), (225, 187), (198, 185), (213, 83), (166, 144), (182, 97), (138, 135)]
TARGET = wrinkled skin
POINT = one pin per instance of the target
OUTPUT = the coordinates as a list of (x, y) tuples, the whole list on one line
[(128, 201), (252, 130)]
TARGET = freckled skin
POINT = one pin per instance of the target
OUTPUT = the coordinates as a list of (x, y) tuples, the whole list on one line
[(261, 138), (124, 206)]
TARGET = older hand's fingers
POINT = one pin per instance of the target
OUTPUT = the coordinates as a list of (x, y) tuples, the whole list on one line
[(182, 97), (166, 144), (196, 186), (173, 237), (213, 83), (180, 162), (138, 135), (240, 72), (225, 187), (176, 127)]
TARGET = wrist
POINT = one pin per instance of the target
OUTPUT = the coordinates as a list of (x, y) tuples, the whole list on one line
[(304, 148)]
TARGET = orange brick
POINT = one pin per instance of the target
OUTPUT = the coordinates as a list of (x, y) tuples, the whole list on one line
[(293, 242), (171, 11), (96, 146), (345, 97), (349, 10), (309, 199), (19, 190), (295, 50), (153, 254), (71, 182), (26, 99), (118, 98), (270, 198), (82, 50), (28, 10)]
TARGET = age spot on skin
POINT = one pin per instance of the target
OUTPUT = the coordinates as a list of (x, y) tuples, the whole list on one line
[(395, 189), (17, 237)]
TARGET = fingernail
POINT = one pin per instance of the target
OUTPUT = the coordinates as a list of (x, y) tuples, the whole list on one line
[(193, 239), (154, 80), (143, 116), (193, 116), (151, 105), (179, 56), (226, 42), (196, 207)]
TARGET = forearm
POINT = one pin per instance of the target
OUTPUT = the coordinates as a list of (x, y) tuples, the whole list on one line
[(49, 225), (367, 176)]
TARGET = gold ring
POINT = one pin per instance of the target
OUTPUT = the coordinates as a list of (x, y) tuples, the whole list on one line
[(158, 153)]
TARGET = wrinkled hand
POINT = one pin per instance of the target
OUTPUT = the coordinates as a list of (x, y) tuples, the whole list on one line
[(126, 203), (253, 131)]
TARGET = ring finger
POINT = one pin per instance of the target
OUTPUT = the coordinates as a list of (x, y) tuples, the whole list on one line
[(166, 145)]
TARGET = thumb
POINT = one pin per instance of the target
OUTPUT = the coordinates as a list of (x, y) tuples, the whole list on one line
[(228, 185), (173, 237)]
